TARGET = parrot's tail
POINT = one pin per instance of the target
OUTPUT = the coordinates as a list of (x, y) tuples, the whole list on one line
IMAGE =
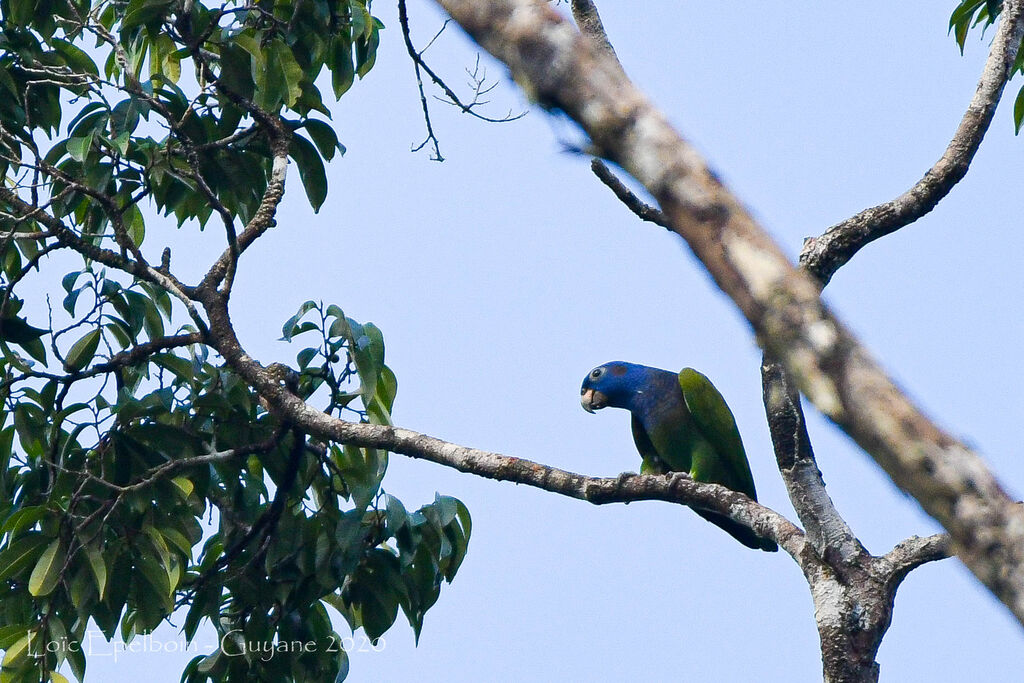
[(741, 533)]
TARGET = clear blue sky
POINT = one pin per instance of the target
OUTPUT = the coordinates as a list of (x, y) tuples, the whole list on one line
[(501, 276)]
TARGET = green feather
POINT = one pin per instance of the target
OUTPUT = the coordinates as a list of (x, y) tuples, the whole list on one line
[(725, 462)]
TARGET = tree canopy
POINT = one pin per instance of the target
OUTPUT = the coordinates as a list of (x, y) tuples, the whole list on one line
[(123, 429)]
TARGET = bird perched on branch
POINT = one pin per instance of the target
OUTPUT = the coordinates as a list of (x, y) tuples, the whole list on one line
[(680, 424)]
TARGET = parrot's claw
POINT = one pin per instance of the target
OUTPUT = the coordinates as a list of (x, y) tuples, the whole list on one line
[(676, 477), (622, 480)]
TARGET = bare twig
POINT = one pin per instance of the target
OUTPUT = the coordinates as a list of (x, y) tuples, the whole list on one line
[(643, 210), (823, 256), (420, 67)]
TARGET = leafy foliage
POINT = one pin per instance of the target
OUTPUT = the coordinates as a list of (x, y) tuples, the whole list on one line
[(971, 13), (122, 429)]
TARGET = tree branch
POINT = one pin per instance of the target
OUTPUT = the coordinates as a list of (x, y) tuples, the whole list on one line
[(643, 210), (564, 71), (587, 18), (826, 529), (224, 267), (912, 553), (824, 255), (420, 67), (673, 488), (107, 257)]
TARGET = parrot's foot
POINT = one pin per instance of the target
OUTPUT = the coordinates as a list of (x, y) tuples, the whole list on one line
[(675, 477), (622, 480)]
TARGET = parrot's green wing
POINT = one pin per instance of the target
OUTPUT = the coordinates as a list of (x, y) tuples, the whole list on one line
[(728, 464), (652, 464), (720, 458)]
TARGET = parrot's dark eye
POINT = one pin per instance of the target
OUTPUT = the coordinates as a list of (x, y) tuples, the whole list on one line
[(596, 373)]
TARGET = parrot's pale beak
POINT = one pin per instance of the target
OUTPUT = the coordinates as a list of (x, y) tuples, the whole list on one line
[(592, 400)]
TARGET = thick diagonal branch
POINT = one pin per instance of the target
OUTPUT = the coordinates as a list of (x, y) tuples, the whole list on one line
[(824, 255), (565, 71)]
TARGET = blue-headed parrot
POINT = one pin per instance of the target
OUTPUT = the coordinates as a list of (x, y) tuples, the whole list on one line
[(680, 424)]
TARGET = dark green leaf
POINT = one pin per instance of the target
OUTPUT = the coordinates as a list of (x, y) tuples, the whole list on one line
[(83, 351), (325, 138), (48, 570), (311, 170), (17, 331), (21, 553), (23, 518), (1018, 111), (79, 148), (343, 72)]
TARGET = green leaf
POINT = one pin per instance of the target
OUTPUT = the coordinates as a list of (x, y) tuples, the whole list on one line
[(343, 666), (74, 57), (135, 224), (83, 351), (311, 170), (69, 281), (22, 12), (964, 12), (17, 653), (1018, 111), (143, 12), (178, 540), (288, 330), (290, 71), (18, 331), (343, 73), (182, 368), (366, 343), (960, 20), (98, 567), (23, 518), (47, 572), (325, 138), (21, 553), (79, 148), (76, 660), (305, 356), (11, 633), (366, 50)]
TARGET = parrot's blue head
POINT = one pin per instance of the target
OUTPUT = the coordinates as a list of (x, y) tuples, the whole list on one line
[(617, 384)]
